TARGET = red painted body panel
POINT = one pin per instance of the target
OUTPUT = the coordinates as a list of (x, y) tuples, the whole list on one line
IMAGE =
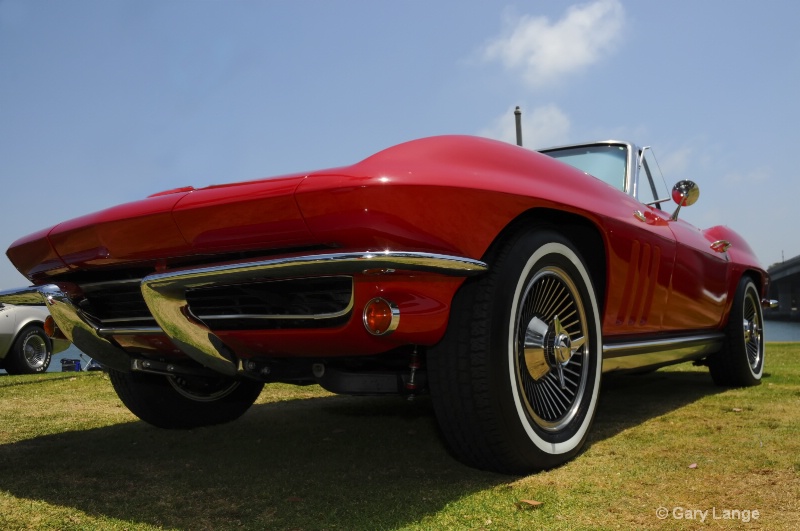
[(254, 215), (34, 257), (700, 282), (450, 195), (138, 231), (422, 194), (641, 265)]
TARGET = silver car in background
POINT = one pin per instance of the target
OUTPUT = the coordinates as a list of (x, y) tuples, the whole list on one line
[(24, 346)]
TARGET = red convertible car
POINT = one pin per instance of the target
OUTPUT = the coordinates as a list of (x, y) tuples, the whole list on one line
[(500, 280)]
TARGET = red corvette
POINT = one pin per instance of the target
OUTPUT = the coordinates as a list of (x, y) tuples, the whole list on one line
[(502, 281)]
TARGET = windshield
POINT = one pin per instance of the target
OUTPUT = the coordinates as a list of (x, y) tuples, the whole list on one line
[(606, 162), (651, 188)]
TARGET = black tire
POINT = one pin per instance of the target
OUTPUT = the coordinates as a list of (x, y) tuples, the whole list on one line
[(31, 352), (174, 402), (492, 411), (741, 361)]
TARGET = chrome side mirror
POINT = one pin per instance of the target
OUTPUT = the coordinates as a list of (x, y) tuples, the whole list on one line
[(685, 193)]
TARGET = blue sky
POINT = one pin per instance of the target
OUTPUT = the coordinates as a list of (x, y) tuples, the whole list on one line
[(104, 102)]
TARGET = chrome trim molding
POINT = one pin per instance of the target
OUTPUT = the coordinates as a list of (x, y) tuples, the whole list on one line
[(105, 331), (658, 352), (303, 317), (165, 293)]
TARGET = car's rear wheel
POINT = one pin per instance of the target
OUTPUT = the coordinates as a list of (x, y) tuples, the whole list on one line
[(741, 362), (182, 403), (31, 352), (515, 381)]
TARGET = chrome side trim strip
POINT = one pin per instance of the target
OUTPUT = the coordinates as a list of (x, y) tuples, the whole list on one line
[(276, 317), (129, 331), (165, 293), (124, 320), (659, 352)]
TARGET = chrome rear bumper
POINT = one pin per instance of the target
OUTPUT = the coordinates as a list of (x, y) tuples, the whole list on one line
[(165, 296)]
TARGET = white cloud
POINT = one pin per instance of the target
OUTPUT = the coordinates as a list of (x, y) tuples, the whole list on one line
[(546, 51), (543, 127)]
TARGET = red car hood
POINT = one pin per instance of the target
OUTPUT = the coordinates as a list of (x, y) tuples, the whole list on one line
[(256, 214)]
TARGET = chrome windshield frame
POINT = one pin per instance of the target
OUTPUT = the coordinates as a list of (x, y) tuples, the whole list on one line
[(631, 160)]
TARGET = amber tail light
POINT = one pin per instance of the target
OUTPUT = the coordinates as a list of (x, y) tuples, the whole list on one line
[(381, 317)]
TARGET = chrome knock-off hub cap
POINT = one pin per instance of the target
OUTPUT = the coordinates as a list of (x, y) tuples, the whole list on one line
[(549, 347), (552, 365)]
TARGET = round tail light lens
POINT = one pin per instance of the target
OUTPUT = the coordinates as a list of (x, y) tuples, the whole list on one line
[(381, 317)]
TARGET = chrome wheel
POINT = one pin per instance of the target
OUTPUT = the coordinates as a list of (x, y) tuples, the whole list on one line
[(551, 332), (753, 330), (30, 353), (741, 361), (34, 348), (515, 381)]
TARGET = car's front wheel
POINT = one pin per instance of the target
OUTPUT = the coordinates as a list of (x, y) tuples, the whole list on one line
[(741, 362), (182, 403), (515, 381), (30, 353)]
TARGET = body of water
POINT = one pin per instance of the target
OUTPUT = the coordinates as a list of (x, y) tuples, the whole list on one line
[(781, 331)]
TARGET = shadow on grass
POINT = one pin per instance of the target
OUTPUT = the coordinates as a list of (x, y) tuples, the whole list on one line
[(321, 463), (627, 400)]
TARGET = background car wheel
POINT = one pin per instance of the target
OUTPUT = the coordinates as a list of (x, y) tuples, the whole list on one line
[(180, 403), (741, 362), (30, 353), (515, 381)]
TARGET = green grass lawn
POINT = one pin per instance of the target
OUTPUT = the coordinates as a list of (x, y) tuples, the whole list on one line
[(72, 457)]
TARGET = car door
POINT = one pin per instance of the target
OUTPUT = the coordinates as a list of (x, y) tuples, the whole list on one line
[(642, 258), (699, 286), (698, 290)]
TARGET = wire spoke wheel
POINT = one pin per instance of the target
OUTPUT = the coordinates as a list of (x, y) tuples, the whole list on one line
[(553, 398), (515, 381), (753, 330), (740, 363)]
